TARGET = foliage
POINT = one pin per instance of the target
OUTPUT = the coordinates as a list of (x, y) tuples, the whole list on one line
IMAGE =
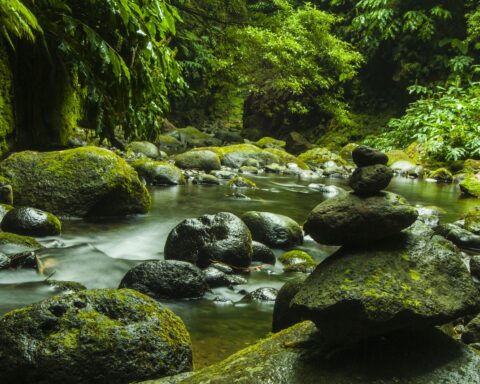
[(17, 21), (444, 121)]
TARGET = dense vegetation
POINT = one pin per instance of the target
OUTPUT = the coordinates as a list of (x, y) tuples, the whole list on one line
[(271, 67)]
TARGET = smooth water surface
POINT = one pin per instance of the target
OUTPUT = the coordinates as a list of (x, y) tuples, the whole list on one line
[(99, 254)]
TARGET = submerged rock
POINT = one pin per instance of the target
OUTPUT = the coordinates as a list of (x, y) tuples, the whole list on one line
[(405, 282), (351, 219), (23, 260), (158, 172), (85, 181), (31, 222), (274, 230), (367, 181), (294, 356), (96, 336), (211, 238), (203, 160), (216, 276), (170, 279)]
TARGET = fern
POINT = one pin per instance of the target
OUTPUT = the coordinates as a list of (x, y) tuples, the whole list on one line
[(17, 21)]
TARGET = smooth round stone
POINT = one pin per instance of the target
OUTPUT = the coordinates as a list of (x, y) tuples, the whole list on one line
[(366, 181), (31, 222), (364, 156)]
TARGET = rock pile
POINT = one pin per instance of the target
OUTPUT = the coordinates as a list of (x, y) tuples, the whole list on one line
[(366, 214)]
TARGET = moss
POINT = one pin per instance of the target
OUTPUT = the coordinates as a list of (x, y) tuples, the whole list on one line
[(270, 142), (70, 110), (442, 175), (7, 119), (472, 220), (222, 151), (287, 157), (292, 257), (346, 151), (26, 241), (166, 140), (397, 155), (241, 182), (320, 156), (471, 186), (471, 166)]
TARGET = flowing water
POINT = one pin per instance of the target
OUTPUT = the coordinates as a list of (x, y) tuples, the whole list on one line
[(98, 254)]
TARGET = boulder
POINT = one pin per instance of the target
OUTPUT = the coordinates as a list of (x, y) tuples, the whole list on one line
[(169, 143), (166, 279), (82, 182), (367, 181), (203, 160), (206, 179), (146, 148), (470, 186), (96, 336), (158, 172), (262, 253), (191, 137), (459, 236), (364, 156), (23, 260), (319, 156), (408, 281), (31, 222), (297, 143), (351, 219), (216, 276), (261, 295), (270, 142), (211, 238), (276, 231), (294, 356), (283, 316), (441, 175), (472, 220)]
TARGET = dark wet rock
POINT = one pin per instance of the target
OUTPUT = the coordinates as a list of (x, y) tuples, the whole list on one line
[(403, 282), (150, 150), (206, 180), (475, 266), (65, 286), (261, 295), (31, 222), (169, 144), (241, 182), (297, 261), (471, 333), (85, 181), (294, 356), (11, 243), (283, 316), (364, 156), (219, 277), (459, 236), (472, 220), (6, 194), (203, 160), (166, 279), (158, 172), (96, 336), (23, 260), (367, 181), (262, 253), (274, 230), (211, 238), (352, 219)]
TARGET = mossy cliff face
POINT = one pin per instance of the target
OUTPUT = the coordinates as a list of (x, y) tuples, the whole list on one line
[(96, 336), (294, 356), (80, 182), (7, 121)]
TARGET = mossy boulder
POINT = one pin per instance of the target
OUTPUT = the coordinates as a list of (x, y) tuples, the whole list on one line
[(203, 160), (31, 222), (319, 156), (296, 356), (472, 220), (241, 182), (297, 261), (208, 239), (82, 182), (11, 243), (287, 158), (191, 137), (405, 282), (471, 166), (441, 175), (168, 143), (283, 316), (158, 172), (4, 208), (146, 148), (166, 279), (470, 186), (346, 151), (364, 156), (351, 219), (96, 336), (459, 236), (270, 142), (220, 275), (277, 231)]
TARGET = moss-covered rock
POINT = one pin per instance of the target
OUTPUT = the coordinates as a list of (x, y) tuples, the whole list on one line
[(7, 119), (367, 181), (31, 222), (471, 166), (346, 151), (192, 137), (208, 239), (96, 336), (146, 148), (287, 158), (168, 143), (203, 160), (319, 156), (472, 220), (270, 142), (296, 356), (11, 243), (262, 253), (241, 182), (297, 261), (81, 182), (410, 281), (441, 175), (470, 186), (277, 231), (4, 208), (158, 172), (261, 295)]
